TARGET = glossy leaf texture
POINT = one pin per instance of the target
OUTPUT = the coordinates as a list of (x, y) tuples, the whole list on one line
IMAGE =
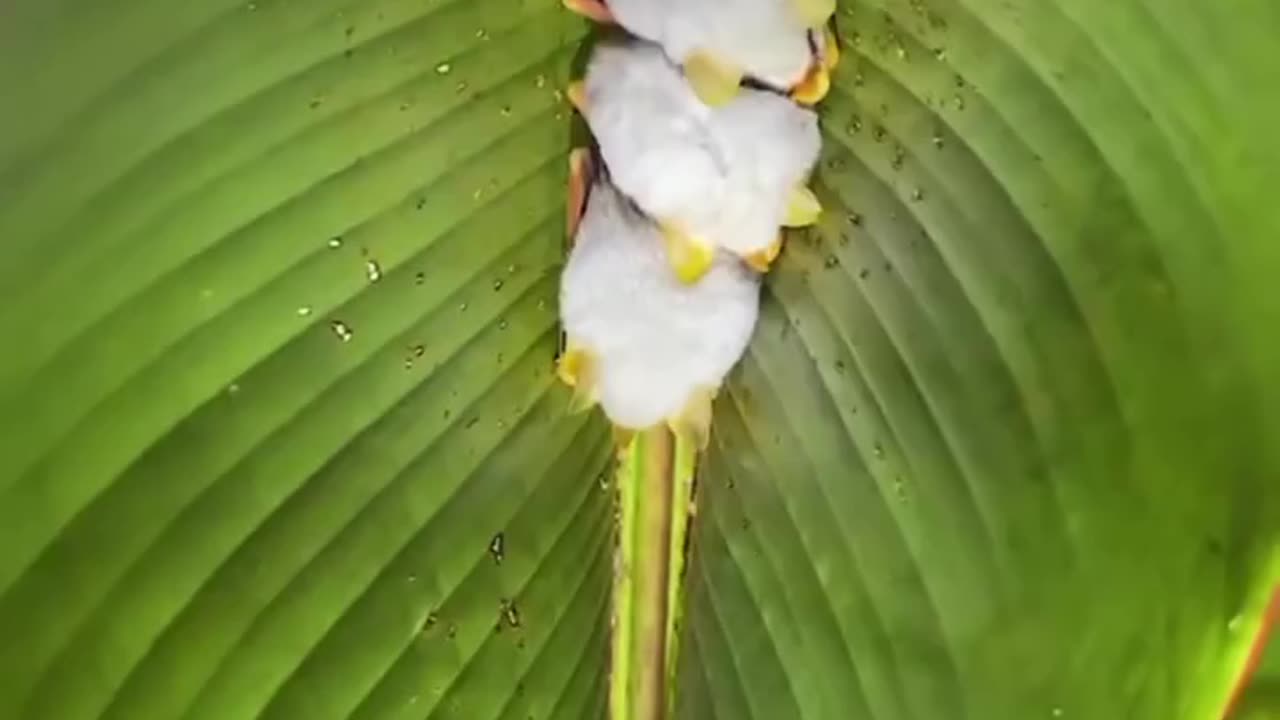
[(280, 432), (1001, 446)]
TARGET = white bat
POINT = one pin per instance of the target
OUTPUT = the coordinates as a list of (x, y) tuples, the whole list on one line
[(645, 346), (784, 44), (712, 177)]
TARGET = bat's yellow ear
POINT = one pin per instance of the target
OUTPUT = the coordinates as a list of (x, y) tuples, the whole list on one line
[(803, 208), (762, 260), (814, 87), (580, 172), (577, 94), (577, 369), (715, 81), (688, 256), (693, 423), (814, 13), (622, 438), (592, 10), (830, 49)]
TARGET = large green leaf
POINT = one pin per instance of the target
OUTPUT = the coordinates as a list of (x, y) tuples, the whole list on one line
[(279, 428), (1000, 447), (278, 434)]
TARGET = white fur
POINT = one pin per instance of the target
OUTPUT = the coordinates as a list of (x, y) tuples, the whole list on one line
[(655, 340), (723, 174), (766, 38)]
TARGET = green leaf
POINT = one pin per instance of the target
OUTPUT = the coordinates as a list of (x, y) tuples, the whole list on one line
[(999, 449), (280, 432)]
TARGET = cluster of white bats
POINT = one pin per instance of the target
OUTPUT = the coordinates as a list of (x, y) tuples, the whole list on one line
[(704, 142)]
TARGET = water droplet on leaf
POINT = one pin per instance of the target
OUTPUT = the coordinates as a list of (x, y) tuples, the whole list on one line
[(342, 330), (497, 548)]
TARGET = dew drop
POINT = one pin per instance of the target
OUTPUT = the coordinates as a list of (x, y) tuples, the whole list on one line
[(304, 311), (938, 140), (854, 126), (443, 68), (958, 101), (505, 111), (497, 548), (855, 219), (497, 285), (917, 195), (461, 87), (335, 242), (462, 307), (419, 278), (342, 330), (878, 133), (482, 34), (878, 449), (510, 612), (540, 81), (831, 262), (502, 324), (372, 270), (413, 354), (940, 53)]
